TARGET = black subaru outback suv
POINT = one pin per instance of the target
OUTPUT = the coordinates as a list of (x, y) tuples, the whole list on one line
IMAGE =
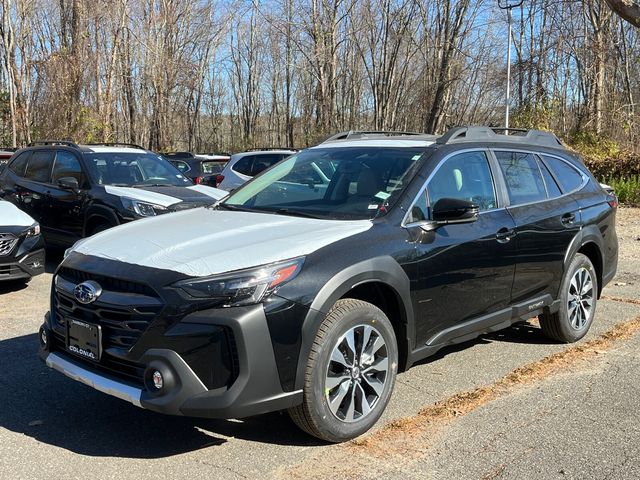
[(312, 285), (74, 191)]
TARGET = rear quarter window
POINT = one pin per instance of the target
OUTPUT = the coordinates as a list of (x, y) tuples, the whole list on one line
[(244, 165), (39, 166), (568, 177), (19, 163)]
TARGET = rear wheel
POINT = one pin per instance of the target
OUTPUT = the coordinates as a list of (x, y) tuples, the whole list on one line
[(350, 373), (578, 298)]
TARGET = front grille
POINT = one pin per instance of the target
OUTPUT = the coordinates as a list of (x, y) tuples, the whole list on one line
[(122, 323), (107, 283), (7, 243), (9, 270)]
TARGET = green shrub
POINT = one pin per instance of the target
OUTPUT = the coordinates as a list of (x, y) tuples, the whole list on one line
[(627, 189)]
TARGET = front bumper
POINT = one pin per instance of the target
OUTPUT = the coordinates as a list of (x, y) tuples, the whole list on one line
[(256, 389), (22, 266)]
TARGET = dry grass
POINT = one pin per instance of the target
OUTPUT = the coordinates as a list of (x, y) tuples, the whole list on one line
[(620, 299)]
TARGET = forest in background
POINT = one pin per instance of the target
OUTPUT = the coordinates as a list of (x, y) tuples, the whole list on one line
[(227, 75)]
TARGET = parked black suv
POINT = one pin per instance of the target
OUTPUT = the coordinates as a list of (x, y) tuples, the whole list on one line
[(74, 191), (334, 270)]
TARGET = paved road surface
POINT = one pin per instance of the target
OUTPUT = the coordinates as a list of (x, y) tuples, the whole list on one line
[(581, 423)]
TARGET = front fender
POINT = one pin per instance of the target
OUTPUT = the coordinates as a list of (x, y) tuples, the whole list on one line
[(380, 269)]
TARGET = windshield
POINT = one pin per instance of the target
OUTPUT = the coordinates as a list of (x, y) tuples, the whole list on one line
[(337, 183), (128, 169)]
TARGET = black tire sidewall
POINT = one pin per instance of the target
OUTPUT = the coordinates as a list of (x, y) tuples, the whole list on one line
[(331, 427), (564, 324)]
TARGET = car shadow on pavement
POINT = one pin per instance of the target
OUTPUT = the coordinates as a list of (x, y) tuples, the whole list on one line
[(50, 408), (518, 333), (521, 333)]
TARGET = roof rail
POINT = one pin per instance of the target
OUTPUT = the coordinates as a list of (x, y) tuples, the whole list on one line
[(271, 148), (114, 144), (490, 134), (365, 133), (178, 155), (66, 143)]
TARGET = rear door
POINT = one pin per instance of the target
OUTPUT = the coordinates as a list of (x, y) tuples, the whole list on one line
[(32, 188), (546, 222)]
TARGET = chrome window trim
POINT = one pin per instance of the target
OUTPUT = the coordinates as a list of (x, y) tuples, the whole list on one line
[(485, 150)]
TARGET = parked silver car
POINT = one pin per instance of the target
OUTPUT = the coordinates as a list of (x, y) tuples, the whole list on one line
[(242, 167)]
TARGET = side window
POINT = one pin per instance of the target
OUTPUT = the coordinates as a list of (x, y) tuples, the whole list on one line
[(66, 165), (553, 190), (465, 176), (568, 177), (244, 165), (19, 163), (39, 166), (522, 176)]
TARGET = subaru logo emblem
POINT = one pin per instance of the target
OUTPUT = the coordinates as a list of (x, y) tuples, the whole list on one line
[(87, 292)]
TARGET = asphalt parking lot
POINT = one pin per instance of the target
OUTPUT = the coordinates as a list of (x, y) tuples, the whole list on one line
[(507, 405)]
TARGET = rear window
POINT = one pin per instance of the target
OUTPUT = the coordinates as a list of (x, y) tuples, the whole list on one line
[(39, 166), (212, 167), (182, 166), (522, 176), (568, 177)]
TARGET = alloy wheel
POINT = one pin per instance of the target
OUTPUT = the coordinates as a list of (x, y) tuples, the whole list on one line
[(580, 298), (356, 373)]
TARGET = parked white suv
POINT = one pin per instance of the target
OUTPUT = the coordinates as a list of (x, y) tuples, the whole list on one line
[(242, 167)]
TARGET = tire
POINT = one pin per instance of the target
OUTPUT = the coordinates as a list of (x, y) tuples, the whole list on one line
[(359, 391), (100, 228), (577, 309)]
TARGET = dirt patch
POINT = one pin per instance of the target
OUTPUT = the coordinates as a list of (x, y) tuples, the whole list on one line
[(408, 437)]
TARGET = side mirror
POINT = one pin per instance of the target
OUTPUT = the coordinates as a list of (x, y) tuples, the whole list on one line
[(447, 211), (69, 183)]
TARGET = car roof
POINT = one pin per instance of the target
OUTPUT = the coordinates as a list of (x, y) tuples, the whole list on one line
[(235, 156)]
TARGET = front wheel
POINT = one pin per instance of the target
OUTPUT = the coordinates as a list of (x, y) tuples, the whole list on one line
[(350, 373), (578, 298)]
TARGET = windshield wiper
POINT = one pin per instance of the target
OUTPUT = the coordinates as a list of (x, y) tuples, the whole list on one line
[(236, 208), (293, 213), (140, 185)]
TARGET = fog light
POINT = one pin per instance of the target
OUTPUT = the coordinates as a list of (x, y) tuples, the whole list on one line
[(44, 338), (158, 381)]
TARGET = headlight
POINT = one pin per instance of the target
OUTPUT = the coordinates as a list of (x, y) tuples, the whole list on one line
[(33, 230), (243, 287), (141, 208)]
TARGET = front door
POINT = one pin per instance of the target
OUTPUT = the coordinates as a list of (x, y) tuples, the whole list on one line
[(465, 271)]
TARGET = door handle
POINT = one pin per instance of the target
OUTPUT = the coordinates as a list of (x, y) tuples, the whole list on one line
[(505, 234), (568, 219)]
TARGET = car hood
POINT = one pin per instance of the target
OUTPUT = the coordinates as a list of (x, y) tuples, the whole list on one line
[(166, 196), (204, 241), (12, 216)]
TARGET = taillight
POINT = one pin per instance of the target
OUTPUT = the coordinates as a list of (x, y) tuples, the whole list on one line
[(612, 200), (198, 180), (219, 179)]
